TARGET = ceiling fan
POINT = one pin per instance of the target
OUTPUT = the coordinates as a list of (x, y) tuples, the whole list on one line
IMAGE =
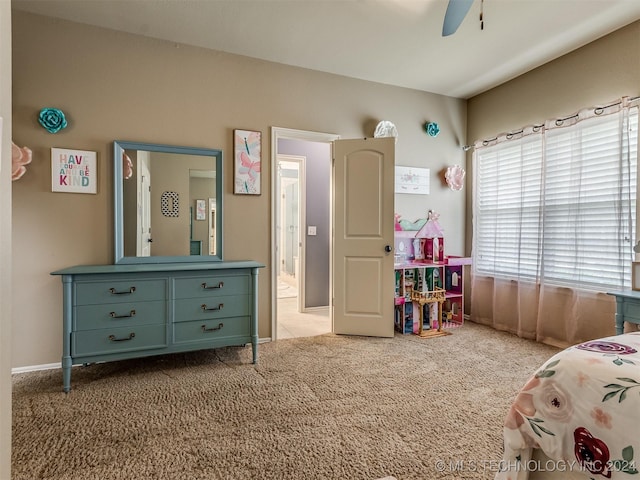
[(456, 11)]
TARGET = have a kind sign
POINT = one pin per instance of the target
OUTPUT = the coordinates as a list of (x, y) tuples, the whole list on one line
[(73, 171)]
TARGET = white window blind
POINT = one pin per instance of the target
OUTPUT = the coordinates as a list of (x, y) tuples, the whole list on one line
[(559, 205)]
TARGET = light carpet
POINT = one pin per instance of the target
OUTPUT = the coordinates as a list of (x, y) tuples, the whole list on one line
[(325, 407)]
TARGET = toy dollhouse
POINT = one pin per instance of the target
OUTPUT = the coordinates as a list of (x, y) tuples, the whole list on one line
[(429, 295)]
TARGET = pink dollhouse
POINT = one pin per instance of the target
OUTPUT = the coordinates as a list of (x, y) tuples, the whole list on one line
[(429, 291), (425, 244)]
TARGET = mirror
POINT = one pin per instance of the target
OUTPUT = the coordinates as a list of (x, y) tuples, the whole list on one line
[(168, 203)]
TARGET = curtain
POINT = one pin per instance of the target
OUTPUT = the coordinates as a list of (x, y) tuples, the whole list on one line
[(554, 224)]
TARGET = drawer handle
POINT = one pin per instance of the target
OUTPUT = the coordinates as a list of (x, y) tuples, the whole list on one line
[(115, 292), (132, 313), (205, 308), (213, 287), (114, 339), (205, 329)]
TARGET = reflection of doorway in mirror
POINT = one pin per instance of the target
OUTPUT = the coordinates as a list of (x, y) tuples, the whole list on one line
[(143, 177), (212, 226)]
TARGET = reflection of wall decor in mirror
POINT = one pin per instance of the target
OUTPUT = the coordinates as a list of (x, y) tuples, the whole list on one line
[(127, 167), (247, 147), (143, 234), (170, 204), (635, 275), (201, 210), (412, 180), (73, 171)]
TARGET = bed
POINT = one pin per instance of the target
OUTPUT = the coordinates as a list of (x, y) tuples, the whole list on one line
[(578, 416)]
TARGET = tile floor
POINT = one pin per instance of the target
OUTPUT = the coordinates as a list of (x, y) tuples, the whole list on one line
[(291, 323)]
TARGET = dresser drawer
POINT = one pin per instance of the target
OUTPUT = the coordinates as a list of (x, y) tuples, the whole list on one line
[(121, 339), (213, 285), (207, 330), (120, 291), (90, 317), (218, 307)]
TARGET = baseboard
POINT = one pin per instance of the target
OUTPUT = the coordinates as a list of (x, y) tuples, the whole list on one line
[(315, 309), (53, 366), (35, 368)]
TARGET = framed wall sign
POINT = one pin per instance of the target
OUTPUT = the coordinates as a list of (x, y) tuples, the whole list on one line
[(73, 171), (412, 180), (247, 156)]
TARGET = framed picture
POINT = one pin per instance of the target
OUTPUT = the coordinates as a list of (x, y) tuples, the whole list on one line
[(412, 180), (635, 276), (247, 156), (73, 171), (201, 210)]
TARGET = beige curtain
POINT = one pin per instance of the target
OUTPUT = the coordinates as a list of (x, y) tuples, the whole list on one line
[(558, 316), (536, 305)]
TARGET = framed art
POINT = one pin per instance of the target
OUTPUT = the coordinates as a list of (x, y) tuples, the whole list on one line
[(201, 210), (247, 156), (635, 276), (412, 180), (73, 171)]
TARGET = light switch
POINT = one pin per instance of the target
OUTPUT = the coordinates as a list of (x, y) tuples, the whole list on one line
[(311, 230)]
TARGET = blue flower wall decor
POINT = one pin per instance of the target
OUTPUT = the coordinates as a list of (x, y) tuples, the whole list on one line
[(432, 129), (52, 119)]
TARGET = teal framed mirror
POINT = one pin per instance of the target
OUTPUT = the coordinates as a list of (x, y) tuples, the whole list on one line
[(167, 203)]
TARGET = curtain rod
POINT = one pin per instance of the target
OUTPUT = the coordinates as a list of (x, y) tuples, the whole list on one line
[(559, 121)]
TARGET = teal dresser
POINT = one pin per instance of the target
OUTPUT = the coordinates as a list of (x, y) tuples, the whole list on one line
[(116, 312)]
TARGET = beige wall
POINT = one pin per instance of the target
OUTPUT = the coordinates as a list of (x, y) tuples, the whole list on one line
[(601, 71), (119, 86), (5, 241)]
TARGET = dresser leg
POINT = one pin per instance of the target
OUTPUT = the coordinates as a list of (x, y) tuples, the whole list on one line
[(619, 324), (619, 315), (66, 374), (254, 348)]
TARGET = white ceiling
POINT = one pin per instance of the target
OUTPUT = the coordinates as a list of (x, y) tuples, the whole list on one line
[(396, 42)]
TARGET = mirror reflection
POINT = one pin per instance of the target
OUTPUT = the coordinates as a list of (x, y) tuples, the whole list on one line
[(170, 202)]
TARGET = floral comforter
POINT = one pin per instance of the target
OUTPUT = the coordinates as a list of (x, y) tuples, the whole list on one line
[(582, 409)]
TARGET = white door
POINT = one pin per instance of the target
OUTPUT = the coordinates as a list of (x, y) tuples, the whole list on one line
[(363, 230), (143, 243)]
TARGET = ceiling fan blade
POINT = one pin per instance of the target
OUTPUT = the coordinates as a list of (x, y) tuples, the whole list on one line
[(456, 11)]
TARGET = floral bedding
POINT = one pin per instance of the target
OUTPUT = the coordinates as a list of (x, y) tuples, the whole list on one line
[(582, 409)]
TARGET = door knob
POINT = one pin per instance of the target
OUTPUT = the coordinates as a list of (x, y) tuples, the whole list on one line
[(387, 248)]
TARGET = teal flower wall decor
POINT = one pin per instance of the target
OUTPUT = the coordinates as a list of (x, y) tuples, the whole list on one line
[(432, 129), (52, 119)]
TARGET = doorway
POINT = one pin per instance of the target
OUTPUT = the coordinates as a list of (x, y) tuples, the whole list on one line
[(300, 233), (289, 249)]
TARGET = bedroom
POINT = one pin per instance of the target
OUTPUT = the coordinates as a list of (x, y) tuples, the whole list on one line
[(537, 95)]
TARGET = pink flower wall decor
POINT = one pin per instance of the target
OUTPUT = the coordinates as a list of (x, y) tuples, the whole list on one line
[(455, 177), (19, 158)]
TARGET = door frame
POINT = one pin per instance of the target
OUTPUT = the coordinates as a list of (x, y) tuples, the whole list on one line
[(278, 133), (302, 221)]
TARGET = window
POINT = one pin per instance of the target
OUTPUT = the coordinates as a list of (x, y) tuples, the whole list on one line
[(557, 204)]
